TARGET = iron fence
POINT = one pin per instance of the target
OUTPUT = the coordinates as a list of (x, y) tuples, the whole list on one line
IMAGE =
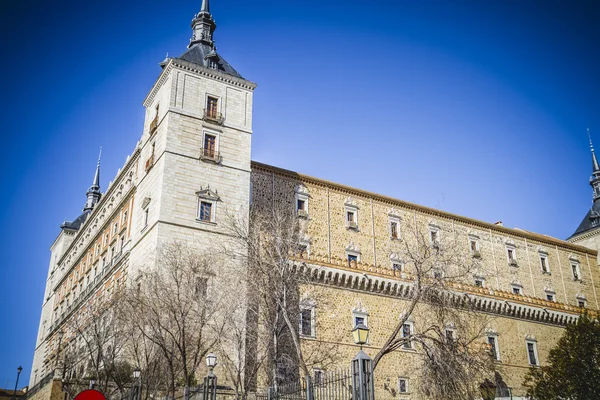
[(334, 385)]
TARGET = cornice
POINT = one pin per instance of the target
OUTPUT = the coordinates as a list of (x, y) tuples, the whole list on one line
[(164, 74), (501, 230), (372, 280), (106, 197), (584, 235)]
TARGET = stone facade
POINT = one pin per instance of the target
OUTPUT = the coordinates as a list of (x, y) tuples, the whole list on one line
[(156, 198)]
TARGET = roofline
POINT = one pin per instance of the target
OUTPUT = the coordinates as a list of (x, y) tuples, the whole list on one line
[(502, 229)]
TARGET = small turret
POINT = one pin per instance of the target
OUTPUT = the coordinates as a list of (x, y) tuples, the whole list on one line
[(93, 194), (203, 26)]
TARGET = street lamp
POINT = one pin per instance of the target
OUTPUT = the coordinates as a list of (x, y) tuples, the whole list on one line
[(362, 366), (360, 334), (209, 390), (17, 383), (137, 385)]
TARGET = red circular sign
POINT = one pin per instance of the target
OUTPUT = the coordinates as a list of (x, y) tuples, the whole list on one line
[(90, 394)]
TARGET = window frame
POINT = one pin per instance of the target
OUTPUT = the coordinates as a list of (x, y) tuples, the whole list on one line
[(211, 197), (544, 263), (408, 346), (495, 349), (349, 222), (301, 197), (406, 385), (201, 206), (394, 221), (533, 343), (311, 309), (519, 288), (576, 269), (512, 261), (217, 110)]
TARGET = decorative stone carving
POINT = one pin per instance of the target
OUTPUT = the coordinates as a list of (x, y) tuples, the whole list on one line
[(353, 248), (301, 189), (208, 194), (350, 202)]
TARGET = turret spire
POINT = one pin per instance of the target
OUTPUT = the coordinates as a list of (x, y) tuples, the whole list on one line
[(595, 165), (205, 6), (203, 26), (93, 194)]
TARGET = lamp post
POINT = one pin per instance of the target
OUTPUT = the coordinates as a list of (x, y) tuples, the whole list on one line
[(17, 383), (362, 366), (136, 389), (209, 391)]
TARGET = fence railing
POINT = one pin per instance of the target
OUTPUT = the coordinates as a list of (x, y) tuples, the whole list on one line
[(334, 385)]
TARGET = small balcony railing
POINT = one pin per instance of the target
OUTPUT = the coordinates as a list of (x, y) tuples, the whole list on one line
[(475, 254), (513, 262), (210, 155), (302, 214), (149, 163), (213, 116), (352, 225)]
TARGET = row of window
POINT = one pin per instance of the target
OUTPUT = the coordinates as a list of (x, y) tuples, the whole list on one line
[(307, 329), (351, 220)]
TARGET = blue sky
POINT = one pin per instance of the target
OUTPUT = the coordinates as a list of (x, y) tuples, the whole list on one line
[(476, 107)]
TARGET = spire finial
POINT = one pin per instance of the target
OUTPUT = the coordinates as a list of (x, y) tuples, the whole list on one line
[(205, 6), (590, 137)]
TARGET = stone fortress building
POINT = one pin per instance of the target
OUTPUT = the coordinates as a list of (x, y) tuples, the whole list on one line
[(193, 161)]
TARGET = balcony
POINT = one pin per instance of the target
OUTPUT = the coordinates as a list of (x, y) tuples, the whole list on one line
[(213, 116), (153, 126), (352, 225), (512, 262), (149, 163), (210, 154), (475, 254), (302, 214)]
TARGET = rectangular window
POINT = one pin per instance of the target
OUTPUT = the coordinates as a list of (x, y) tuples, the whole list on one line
[(434, 237), (301, 205), (437, 274), (549, 297), (210, 145), (544, 264), (473, 245), (212, 107), (575, 270), (394, 229), (205, 213), (532, 353), (397, 267), (359, 320), (350, 216), (479, 282), (493, 347), (115, 228), (318, 380), (406, 331), (403, 385), (581, 303), (306, 327), (352, 258), (449, 335), (124, 217), (516, 290), (145, 217)]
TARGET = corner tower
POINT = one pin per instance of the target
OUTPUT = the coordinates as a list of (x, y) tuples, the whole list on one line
[(588, 232), (195, 147)]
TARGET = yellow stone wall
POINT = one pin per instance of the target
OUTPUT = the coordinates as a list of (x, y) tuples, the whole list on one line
[(329, 238)]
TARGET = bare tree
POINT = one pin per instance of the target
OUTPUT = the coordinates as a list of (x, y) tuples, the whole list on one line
[(96, 347), (177, 308), (270, 245), (449, 332)]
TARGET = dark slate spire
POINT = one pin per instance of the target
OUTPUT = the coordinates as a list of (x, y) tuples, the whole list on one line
[(93, 193), (592, 218), (203, 26)]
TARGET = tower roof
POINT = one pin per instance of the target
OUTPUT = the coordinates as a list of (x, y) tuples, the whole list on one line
[(592, 218), (93, 193), (202, 50)]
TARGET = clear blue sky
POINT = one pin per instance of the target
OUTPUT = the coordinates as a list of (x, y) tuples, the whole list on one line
[(476, 107)]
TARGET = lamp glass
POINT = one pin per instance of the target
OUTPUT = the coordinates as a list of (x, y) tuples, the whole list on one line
[(211, 360), (93, 381), (137, 373), (360, 334), (20, 369)]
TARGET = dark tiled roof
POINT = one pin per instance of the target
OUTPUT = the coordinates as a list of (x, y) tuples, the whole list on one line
[(590, 221), (198, 53), (76, 224)]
